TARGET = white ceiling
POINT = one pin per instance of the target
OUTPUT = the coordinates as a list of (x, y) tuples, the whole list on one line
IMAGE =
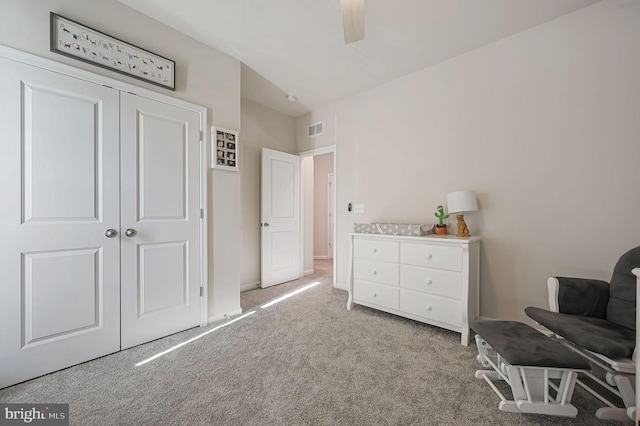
[(297, 46)]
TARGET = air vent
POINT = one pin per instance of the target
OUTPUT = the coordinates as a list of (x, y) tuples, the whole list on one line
[(315, 129)]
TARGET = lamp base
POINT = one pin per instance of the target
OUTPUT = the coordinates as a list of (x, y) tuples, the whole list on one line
[(463, 231)]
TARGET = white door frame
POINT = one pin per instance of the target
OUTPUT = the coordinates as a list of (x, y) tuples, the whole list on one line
[(48, 64), (312, 153), (331, 212)]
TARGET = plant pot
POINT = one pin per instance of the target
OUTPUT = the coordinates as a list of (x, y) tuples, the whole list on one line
[(441, 229)]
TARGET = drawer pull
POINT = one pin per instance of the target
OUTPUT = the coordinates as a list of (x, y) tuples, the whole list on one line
[(374, 272), (429, 308), (429, 282), (429, 256), (374, 295), (375, 250)]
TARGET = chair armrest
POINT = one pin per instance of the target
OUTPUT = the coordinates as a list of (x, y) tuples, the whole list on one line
[(578, 296), (553, 287)]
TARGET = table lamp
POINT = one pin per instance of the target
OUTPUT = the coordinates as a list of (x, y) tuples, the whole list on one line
[(462, 202)]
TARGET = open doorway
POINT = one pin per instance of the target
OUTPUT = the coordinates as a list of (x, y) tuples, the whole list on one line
[(322, 206), (318, 218)]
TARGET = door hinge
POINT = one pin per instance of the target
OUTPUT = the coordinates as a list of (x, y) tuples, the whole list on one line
[(201, 213), (201, 291), (201, 135)]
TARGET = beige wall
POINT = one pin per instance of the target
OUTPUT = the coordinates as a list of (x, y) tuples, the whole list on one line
[(261, 127), (544, 127), (203, 76), (323, 166)]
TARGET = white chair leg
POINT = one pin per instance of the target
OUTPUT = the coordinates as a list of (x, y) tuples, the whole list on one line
[(612, 413), (626, 390), (483, 351), (632, 413), (538, 400), (568, 410), (509, 407), (491, 374), (517, 388)]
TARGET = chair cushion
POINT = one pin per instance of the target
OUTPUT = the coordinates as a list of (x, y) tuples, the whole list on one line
[(522, 345), (621, 308), (594, 334), (583, 296)]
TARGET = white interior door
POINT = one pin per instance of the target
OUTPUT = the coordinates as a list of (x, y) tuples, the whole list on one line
[(60, 302), (160, 167), (280, 223)]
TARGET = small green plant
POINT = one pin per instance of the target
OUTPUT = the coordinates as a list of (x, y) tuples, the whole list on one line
[(440, 214)]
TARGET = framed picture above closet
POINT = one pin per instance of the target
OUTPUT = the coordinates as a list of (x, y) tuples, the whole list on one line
[(224, 149), (72, 39)]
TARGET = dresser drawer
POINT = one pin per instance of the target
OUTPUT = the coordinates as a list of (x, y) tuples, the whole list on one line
[(378, 294), (432, 281), (387, 251), (373, 270), (432, 256), (431, 307)]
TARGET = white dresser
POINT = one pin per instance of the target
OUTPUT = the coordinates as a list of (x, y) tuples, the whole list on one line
[(432, 279)]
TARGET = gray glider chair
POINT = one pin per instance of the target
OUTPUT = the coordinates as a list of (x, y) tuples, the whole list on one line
[(598, 321)]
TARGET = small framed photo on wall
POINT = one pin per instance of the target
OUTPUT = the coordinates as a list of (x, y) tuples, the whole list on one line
[(224, 149)]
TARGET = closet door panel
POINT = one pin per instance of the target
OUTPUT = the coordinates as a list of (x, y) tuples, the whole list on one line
[(160, 171), (162, 168), (59, 165)]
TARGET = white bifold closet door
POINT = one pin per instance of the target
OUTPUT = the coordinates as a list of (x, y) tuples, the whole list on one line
[(75, 285)]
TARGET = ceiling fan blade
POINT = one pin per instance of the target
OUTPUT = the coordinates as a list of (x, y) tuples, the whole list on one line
[(352, 20)]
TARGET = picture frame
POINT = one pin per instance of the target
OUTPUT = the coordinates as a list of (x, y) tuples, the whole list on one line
[(224, 149), (77, 41)]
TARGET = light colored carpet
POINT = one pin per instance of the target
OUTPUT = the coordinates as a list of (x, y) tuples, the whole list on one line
[(322, 271), (303, 361)]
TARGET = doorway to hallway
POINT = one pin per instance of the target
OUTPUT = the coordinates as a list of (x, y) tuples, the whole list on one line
[(322, 272)]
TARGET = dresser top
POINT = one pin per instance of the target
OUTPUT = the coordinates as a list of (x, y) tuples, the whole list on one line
[(447, 239)]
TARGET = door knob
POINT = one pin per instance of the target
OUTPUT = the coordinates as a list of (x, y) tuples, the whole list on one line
[(110, 233), (266, 224), (130, 232)]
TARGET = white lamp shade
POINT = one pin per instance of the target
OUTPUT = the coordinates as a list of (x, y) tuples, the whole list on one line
[(462, 201)]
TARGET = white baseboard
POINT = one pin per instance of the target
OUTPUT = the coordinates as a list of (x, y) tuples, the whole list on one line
[(250, 286), (320, 257), (228, 315), (308, 272)]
